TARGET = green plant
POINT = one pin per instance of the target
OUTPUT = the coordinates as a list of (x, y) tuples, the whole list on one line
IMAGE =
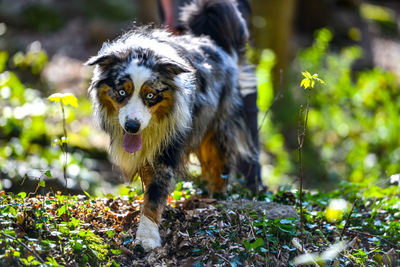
[(27, 128), (308, 83), (64, 100)]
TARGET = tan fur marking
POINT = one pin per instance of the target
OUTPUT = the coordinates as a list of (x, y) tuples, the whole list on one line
[(161, 109), (110, 103), (128, 86), (106, 100), (146, 89), (212, 164), (146, 174)]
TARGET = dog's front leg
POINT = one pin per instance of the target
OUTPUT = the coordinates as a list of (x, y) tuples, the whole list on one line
[(156, 182)]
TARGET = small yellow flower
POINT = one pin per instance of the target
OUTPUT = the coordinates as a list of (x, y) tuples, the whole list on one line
[(336, 209), (309, 80), (66, 99), (61, 141)]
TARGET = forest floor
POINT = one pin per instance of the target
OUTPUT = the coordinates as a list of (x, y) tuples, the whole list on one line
[(80, 230)]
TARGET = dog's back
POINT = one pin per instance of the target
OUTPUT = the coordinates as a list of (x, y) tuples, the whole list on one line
[(220, 20), (226, 138)]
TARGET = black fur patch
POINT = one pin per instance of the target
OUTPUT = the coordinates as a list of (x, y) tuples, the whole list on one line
[(210, 17), (196, 108), (201, 81), (171, 155), (154, 101), (156, 193)]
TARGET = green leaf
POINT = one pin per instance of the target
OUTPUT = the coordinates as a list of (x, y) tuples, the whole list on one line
[(110, 233), (51, 261), (42, 183), (9, 232), (246, 244), (177, 195), (257, 243), (74, 222), (62, 210), (87, 194), (3, 60), (77, 245), (35, 262), (286, 221), (179, 186), (309, 80), (85, 258), (12, 211), (116, 251), (48, 174), (22, 194)]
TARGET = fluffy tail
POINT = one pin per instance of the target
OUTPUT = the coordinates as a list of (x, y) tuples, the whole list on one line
[(219, 19)]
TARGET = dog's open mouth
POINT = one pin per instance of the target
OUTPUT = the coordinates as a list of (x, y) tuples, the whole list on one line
[(132, 142)]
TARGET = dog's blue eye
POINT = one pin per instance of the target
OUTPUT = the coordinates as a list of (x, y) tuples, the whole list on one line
[(122, 92), (149, 96)]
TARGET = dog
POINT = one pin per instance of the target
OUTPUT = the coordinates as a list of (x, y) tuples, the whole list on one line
[(161, 97)]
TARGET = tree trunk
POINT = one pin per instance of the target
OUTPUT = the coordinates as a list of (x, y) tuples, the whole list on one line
[(271, 26)]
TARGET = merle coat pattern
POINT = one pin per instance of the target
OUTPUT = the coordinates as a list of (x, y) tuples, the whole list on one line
[(161, 97)]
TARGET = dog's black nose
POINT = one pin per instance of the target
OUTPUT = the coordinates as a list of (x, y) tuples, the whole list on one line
[(132, 126)]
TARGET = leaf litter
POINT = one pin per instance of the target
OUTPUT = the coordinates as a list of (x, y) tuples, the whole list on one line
[(59, 230)]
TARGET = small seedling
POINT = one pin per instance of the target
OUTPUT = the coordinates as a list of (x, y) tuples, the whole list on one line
[(65, 100)]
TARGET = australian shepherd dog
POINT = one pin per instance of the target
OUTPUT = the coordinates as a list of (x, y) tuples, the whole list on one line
[(161, 97)]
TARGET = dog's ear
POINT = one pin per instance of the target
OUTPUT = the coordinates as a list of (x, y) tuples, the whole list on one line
[(172, 68), (104, 61)]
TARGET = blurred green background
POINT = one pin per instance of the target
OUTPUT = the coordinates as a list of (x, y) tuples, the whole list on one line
[(353, 126)]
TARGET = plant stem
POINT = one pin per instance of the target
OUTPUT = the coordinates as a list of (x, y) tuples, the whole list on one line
[(25, 246), (64, 145), (301, 133), (300, 143), (348, 219)]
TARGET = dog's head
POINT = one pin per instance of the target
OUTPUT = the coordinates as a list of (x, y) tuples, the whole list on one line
[(136, 86)]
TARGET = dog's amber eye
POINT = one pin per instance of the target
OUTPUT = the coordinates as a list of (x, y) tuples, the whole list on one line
[(149, 95), (122, 92)]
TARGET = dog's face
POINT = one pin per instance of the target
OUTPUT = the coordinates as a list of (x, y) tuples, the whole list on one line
[(136, 88)]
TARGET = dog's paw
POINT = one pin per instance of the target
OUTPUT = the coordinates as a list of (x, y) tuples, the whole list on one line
[(147, 234)]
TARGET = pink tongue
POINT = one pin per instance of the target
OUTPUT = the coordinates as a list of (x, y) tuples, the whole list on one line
[(132, 142)]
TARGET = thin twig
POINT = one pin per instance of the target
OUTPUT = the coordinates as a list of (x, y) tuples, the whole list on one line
[(222, 257), (25, 246), (300, 140), (251, 225), (301, 134), (348, 219), (36, 190), (64, 149)]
